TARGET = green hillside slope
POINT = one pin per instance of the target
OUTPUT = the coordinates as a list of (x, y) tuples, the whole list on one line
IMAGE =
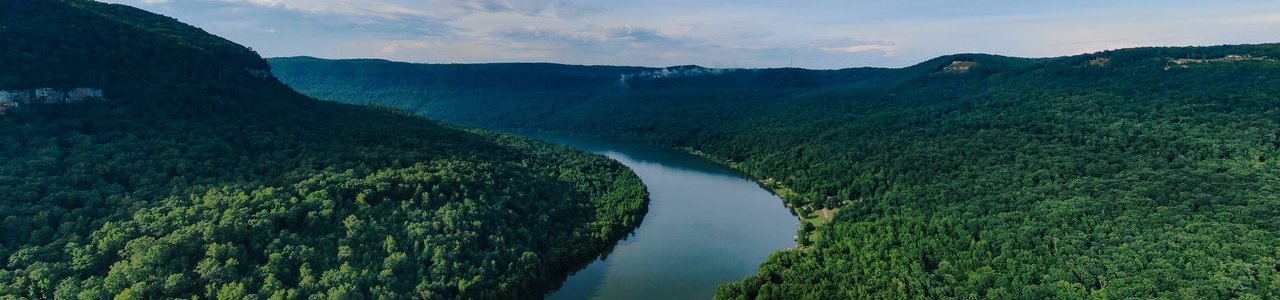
[(1142, 173), (455, 93), (196, 174)]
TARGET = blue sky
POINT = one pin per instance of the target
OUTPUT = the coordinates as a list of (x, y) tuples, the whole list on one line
[(716, 33)]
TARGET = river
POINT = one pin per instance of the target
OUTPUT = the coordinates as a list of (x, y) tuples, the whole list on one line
[(706, 226)]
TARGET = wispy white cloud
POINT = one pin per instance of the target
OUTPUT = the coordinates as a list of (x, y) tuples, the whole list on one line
[(556, 8), (367, 9), (397, 48), (267, 3), (618, 35), (886, 49), (883, 47)]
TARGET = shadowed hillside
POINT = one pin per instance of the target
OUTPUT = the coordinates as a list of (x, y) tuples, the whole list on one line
[(188, 171)]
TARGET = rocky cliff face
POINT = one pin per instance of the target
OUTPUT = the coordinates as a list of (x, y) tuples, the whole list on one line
[(13, 99)]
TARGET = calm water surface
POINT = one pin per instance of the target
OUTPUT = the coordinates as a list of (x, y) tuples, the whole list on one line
[(706, 226)]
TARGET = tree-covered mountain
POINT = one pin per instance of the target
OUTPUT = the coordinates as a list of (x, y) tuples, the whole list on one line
[(456, 93), (1135, 173), (199, 175)]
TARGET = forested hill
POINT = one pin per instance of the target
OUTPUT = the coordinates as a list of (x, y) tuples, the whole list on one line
[(457, 93), (526, 93), (194, 173), (1134, 173)]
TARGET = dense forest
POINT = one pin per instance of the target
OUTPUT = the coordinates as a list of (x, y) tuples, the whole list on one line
[(1135, 173), (201, 176)]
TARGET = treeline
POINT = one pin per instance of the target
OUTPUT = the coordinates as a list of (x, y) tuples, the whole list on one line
[(199, 177), (1119, 174)]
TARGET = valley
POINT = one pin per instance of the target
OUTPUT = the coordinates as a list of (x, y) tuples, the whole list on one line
[(145, 158), (1108, 174)]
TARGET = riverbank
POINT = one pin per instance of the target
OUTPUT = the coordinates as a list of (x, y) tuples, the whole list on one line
[(811, 215)]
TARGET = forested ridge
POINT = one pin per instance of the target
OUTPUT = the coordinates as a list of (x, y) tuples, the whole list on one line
[(1133, 173), (202, 176)]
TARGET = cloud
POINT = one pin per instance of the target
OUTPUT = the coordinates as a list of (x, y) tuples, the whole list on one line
[(267, 3), (532, 34), (886, 48), (552, 8), (397, 48), (638, 45), (612, 35), (368, 9), (649, 46), (326, 18), (155, 1), (633, 34)]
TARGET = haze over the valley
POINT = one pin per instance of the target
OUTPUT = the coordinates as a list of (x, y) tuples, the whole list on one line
[(809, 34)]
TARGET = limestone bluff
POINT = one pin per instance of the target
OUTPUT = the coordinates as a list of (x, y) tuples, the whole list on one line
[(13, 99)]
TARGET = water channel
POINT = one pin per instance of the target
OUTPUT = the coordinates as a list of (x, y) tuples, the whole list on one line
[(707, 225)]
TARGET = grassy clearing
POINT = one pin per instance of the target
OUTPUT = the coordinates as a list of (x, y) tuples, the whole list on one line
[(819, 217)]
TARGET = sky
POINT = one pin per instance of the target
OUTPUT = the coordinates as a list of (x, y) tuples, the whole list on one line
[(816, 34)]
